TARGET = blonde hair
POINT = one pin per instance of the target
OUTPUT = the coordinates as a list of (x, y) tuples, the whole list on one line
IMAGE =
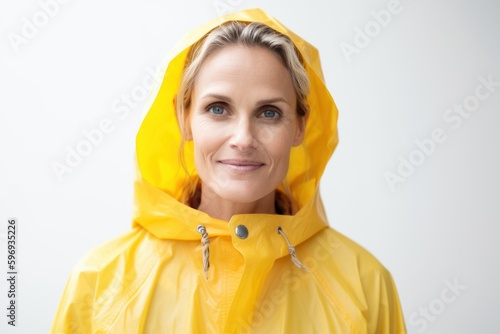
[(252, 35)]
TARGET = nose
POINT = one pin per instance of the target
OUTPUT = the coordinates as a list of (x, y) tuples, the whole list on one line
[(243, 135)]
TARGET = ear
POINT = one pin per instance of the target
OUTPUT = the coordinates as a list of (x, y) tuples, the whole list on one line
[(301, 129)]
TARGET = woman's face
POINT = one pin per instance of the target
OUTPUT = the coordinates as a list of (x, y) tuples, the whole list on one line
[(243, 123)]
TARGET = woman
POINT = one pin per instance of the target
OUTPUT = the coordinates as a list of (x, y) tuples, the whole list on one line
[(229, 233)]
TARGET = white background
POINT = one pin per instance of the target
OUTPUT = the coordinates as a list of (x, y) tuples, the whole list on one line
[(439, 225)]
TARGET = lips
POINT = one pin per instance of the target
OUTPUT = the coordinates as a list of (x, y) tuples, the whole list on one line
[(241, 166)]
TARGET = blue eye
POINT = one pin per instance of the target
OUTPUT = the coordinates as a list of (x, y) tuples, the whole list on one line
[(270, 114), (216, 110)]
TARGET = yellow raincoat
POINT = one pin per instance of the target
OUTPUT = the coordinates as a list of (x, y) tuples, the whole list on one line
[(152, 279)]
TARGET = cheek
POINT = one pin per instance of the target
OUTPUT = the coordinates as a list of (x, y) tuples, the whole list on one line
[(207, 139), (279, 145), (199, 127)]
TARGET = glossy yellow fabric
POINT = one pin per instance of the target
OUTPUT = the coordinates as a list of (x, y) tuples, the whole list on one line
[(151, 279)]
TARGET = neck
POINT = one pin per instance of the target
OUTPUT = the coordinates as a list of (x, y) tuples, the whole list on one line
[(224, 209)]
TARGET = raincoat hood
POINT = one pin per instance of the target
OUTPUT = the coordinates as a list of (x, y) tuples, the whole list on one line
[(162, 179)]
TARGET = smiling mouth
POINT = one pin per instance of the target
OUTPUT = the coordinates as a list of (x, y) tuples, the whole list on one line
[(241, 166)]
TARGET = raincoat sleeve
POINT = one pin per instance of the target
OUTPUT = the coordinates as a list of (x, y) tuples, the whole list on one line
[(76, 308), (384, 309)]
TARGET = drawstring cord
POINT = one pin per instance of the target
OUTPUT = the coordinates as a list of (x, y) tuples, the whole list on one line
[(205, 241), (291, 250)]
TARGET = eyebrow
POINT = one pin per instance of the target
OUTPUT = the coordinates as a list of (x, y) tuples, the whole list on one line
[(228, 100), (222, 98)]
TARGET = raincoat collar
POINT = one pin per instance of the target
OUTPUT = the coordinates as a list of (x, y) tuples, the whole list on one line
[(166, 218)]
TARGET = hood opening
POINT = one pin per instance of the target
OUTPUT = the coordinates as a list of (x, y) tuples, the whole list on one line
[(158, 141)]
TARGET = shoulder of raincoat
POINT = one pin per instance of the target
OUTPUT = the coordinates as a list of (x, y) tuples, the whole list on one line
[(291, 274)]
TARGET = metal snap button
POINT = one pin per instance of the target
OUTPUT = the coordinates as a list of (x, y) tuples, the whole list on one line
[(241, 231)]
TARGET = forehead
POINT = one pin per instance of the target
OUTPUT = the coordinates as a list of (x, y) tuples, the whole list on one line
[(250, 68)]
